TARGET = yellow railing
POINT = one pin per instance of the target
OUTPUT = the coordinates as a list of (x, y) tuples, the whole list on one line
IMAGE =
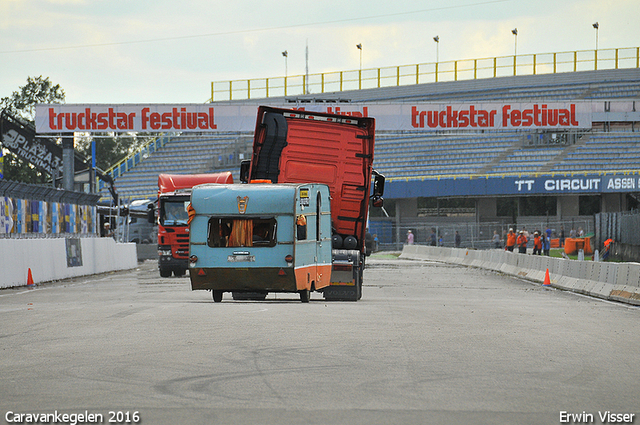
[(465, 69)]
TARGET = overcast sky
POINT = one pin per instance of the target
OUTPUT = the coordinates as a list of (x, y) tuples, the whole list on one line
[(161, 51)]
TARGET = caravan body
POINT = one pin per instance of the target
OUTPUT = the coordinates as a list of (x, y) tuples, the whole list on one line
[(260, 238)]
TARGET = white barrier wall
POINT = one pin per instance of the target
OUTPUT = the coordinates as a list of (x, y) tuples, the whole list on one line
[(48, 259), (612, 281)]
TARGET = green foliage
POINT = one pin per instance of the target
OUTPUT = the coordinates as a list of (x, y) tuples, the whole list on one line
[(110, 147), (16, 169), (22, 103)]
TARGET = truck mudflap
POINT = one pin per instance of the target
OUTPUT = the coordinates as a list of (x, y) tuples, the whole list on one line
[(346, 276)]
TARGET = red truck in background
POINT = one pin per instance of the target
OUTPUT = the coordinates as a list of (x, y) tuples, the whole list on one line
[(174, 194), (295, 146)]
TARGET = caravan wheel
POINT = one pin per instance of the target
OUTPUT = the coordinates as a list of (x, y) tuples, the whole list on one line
[(305, 295), (217, 296)]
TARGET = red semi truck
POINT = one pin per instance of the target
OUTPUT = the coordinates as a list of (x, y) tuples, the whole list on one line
[(294, 146), (174, 193)]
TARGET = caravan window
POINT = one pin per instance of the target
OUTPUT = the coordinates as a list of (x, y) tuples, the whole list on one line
[(239, 232)]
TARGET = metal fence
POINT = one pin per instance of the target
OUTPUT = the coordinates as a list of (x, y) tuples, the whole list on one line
[(33, 211), (392, 236), (622, 227)]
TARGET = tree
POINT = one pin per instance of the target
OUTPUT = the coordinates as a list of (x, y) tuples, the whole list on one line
[(110, 147), (22, 104)]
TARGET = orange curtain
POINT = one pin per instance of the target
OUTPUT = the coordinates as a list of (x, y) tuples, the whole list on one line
[(241, 233), (192, 213)]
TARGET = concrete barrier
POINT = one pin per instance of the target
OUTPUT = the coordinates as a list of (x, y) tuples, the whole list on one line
[(55, 259), (611, 281), (147, 251)]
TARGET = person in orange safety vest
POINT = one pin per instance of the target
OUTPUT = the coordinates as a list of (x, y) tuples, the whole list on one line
[(537, 243), (521, 241), (511, 240)]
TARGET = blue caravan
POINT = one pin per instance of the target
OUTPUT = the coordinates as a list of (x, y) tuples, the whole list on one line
[(260, 238)]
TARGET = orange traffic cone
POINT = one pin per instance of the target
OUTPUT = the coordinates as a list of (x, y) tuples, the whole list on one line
[(547, 281), (30, 283)]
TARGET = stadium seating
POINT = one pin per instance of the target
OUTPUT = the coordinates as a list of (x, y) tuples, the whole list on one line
[(184, 155), (428, 154)]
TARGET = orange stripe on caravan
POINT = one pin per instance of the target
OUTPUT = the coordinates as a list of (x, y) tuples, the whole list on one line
[(306, 274), (324, 276)]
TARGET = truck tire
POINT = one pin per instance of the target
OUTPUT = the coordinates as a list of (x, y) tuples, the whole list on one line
[(165, 273), (305, 295), (217, 296)]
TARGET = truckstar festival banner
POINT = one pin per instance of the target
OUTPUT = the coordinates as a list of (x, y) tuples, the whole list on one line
[(67, 118)]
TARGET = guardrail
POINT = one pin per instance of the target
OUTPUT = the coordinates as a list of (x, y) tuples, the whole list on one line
[(609, 281), (464, 69)]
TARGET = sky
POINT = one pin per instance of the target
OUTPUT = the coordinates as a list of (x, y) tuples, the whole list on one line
[(160, 51)]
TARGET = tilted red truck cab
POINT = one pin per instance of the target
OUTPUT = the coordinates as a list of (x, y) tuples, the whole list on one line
[(295, 146)]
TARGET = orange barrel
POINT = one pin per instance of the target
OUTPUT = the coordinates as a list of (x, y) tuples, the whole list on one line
[(570, 246)]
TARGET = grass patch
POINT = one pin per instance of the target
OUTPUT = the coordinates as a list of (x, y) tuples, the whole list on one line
[(557, 253)]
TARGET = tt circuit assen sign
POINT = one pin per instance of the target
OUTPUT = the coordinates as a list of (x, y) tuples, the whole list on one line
[(389, 116), (513, 186), (586, 184)]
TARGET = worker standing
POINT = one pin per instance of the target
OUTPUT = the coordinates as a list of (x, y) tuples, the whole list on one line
[(537, 243), (521, 241), (511, 240)]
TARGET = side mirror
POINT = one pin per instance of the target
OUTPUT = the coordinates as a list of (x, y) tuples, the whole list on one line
[(378, 186), (245, 165), (151, 214)]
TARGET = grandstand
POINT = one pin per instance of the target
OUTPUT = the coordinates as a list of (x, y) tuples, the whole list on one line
[(189, 154), (419, 154), (484, 165)]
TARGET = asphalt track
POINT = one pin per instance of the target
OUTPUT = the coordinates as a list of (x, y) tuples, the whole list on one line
[(428, 344)]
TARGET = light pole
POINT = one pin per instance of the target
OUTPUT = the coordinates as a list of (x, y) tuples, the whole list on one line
[(515, 49), (286, 55), (437, 40), (359, 46), (596, 26), (286, 70)]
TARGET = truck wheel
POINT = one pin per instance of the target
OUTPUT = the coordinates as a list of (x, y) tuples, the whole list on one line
[(305, 295), (165, 273), (217, 296), (179, 272)]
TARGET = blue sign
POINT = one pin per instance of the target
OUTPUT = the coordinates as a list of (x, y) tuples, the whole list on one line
[(511, 185)]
